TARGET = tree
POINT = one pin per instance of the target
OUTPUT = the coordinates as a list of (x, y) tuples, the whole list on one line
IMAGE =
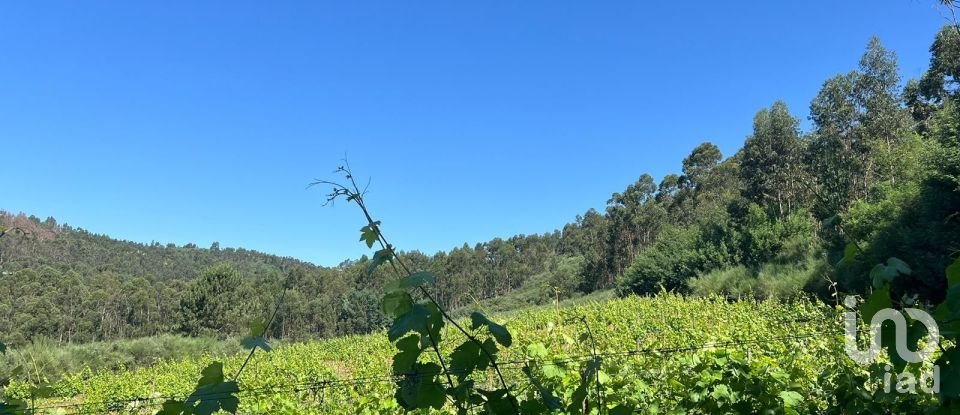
[(700, 162), (858, 125), (884, 121), (592, 243), (942, 79), (206, 304), (633, 225), (359, 312), (772, 168)]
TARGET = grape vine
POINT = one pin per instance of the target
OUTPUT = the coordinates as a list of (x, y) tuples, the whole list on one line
[(416, 329)]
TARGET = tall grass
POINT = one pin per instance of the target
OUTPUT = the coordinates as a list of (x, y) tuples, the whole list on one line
[(771, 280), (48, 360)]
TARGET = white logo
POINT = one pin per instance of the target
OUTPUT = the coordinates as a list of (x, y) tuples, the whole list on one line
[(905, 381)]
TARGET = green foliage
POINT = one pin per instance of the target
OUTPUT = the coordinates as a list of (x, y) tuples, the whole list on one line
[(13, 407), (700, 162), (775, 279), (858, 119), (731, 382), (773, 170), (800, 339), (945, 358), (206, 305), (736, 282), (379, 258), (499, 332), (77, 287), (419, 386), (257, 337), (765, 237), (368, 234), (211, 395), (397, 303), (668, 263), (913, 222), (55, 361)]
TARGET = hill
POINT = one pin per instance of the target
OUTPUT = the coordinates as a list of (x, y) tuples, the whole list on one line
[(73, 286)]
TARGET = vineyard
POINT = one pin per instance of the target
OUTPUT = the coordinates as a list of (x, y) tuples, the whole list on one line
[(668, 354), (798, 263)]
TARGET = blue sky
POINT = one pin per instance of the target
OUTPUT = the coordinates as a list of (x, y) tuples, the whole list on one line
[(204, 121)]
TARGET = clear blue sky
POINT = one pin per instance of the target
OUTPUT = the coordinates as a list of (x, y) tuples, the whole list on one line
[(204, 121)]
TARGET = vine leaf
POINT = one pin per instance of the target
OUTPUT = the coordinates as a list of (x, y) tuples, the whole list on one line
[(397, 303), (885, 274), (379, 258), (899, 265), (879, 300), (467, 358), (537, 350), (256, 338), (212, 394), (550, 400), (499, 332), (499, 401), (580, 394), (421, 390), (368, 234), (915, 332), (888, 340), (790, 398), (170, 407), (953, 273), (406, 358), (949, 363), (462, 392), (250, 343), (212, 384), (433, 326), (413, 320), (849, 255)]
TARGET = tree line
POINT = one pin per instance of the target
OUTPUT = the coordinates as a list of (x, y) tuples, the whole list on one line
[(73, 286)]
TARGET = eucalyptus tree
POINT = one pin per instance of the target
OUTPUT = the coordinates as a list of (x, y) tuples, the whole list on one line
[(859, 123), (772, 167)]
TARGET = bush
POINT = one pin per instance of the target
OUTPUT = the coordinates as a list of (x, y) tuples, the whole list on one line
[(763, 237), (669, 263), (559, 281), (731, 282), (52, 360), (776, 279)]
